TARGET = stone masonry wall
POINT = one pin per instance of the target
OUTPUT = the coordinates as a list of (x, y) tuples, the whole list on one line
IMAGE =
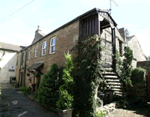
[(138, 54), (66, 38)]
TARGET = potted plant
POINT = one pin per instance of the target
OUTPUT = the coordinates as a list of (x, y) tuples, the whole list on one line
[(64, 103)]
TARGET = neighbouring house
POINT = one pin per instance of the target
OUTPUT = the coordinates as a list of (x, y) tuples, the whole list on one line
[(8, 61), (134, 44), (48, 49)]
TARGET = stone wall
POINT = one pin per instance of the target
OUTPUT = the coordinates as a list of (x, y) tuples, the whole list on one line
[(107, 53), (134, 44), (8, 61), (66, 38), (144, 64)]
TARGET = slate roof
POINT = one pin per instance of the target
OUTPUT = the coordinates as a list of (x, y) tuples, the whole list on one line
[(38, 35), (35, 66), (10, 47), (121, 30)]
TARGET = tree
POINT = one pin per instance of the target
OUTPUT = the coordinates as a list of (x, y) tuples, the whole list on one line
[(49, 86)]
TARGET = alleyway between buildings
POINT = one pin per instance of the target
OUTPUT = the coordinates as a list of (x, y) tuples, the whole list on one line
[(14, 104)]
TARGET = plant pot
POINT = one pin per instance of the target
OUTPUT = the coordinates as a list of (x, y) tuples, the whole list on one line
[(65, 113)]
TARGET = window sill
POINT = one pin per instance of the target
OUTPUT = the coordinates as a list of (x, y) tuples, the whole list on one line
[(52, 53)]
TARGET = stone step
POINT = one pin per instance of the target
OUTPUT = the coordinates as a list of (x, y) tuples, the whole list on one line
[(116, 89), (110, 76), (112, 80), (114, 83), (108, 73), (115, 86), (107, 70)]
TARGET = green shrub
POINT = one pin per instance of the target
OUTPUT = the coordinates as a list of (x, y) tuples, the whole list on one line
[(127, 66), (35, 95), (100, 114), (28, 74), (66, 90), (119, 63), (138, 75), (37, 74), (49, 86), (26, 90), (137, 92)]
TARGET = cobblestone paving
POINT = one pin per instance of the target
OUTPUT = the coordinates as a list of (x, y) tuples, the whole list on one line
[(125, 113)]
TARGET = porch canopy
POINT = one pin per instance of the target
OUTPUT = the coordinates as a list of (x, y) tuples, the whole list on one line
[(35, 66)]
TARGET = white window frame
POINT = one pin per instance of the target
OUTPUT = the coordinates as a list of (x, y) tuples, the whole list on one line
[(44, 48), (29, 54), (52, 45), (36, 51)]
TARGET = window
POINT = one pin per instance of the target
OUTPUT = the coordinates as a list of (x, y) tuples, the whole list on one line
[(120, 48), (29, 54), (52, 45), (44, 48), (11, 68), (36, 51)]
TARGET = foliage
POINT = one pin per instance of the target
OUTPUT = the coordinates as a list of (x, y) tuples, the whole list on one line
[(138, 75), (100, 114), (136, 93), (87, 77), (28, 74), (37, 74), (123, 103), (118, 63), (35, 95), (66, 90), (26, 90), (49, 87), (127, 66)]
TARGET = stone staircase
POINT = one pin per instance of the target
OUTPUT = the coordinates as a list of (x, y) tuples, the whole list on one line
[(112, 82)]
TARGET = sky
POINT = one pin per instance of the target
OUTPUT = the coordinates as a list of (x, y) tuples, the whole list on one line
[(19, 18)]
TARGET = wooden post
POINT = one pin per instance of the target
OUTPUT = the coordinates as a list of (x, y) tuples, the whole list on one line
[(114, 48)]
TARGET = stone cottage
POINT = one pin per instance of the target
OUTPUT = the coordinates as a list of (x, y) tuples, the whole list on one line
[(48, 49), (134, 44), (8, 61)]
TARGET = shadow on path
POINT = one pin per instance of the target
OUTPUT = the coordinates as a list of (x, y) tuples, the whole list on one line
[(14, 104)]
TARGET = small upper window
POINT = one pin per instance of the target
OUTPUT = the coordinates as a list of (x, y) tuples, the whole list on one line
[(120, 48), (52, 45), (36, 51), (29, 54), (44, 48)]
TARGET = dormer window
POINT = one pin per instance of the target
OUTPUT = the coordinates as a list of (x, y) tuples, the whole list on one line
[(52, 45), (36, 51), (44, 48)]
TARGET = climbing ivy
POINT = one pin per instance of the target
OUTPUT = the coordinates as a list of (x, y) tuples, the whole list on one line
[(127, 66), (119, 63), (87, 75)]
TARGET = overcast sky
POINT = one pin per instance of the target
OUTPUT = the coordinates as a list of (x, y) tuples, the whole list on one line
[(18, 26)]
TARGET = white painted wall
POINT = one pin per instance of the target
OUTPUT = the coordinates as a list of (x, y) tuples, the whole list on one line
[(8, 60)]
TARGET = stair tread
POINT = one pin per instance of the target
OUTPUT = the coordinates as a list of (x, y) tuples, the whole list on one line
[(114, 83), (109, 76), (112, 80)]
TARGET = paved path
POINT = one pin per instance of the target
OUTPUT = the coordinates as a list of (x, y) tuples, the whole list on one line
[(14, 104)]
